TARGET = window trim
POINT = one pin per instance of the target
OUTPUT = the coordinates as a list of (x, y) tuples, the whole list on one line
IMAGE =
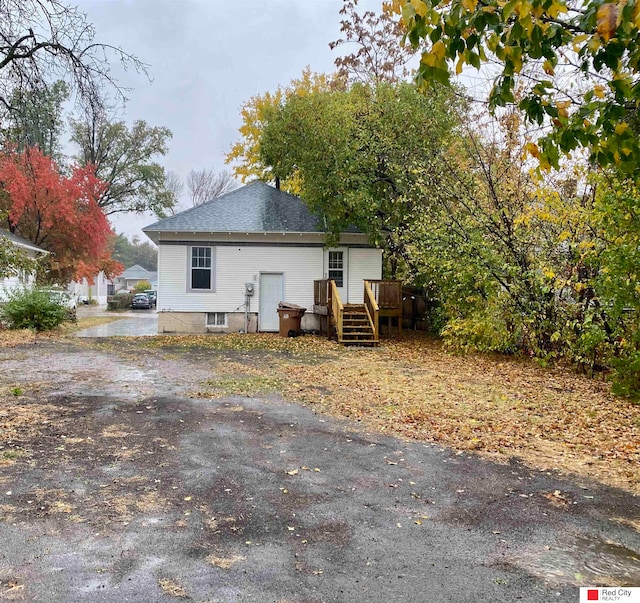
[(190, 268), (215, 325), (341, 270)]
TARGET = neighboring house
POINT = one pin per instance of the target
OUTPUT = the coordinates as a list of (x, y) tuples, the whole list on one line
[(23, 279), (101, 289), (132, 276), (255, 237)]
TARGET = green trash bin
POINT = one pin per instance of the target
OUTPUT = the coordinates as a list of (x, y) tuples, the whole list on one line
[(290, 316)]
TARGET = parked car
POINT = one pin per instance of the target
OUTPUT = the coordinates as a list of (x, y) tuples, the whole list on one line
[(64, 299), (153, 296), (141, 300)]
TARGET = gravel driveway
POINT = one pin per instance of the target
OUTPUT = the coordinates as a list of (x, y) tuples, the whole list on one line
[(119, 484)]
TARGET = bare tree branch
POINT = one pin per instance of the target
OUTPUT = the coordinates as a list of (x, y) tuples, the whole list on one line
[(42, 41), (174, 185), (379, 53), (205, 185)]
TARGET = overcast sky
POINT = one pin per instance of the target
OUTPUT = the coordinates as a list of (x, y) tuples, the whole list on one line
[(206, 58)]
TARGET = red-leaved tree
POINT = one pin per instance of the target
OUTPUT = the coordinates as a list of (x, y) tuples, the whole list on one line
[(58, 213)]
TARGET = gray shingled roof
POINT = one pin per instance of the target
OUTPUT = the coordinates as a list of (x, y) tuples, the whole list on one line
[(20, 241), (256, 207), (137, 271)]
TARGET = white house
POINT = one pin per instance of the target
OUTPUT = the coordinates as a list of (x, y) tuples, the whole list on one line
[(255, 239), (132, 276), (99, 291), (21, 278)]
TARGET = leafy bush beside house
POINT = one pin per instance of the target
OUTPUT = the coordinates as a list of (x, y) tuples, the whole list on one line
[(34, 309)]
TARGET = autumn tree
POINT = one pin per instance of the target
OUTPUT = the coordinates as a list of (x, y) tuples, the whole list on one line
[(206, 184), (58, 213), (574, 66), (495, 271), (608, 280), (245, 154), (125, 160), (374, 48), (356, 154)]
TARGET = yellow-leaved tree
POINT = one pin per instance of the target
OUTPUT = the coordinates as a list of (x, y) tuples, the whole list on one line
[(244, 156)]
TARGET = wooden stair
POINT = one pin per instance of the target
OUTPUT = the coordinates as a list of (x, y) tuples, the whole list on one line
[(357, 324), (357, 328)]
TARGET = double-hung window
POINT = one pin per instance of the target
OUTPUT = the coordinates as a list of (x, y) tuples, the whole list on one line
[(336, 267), (201, 269)]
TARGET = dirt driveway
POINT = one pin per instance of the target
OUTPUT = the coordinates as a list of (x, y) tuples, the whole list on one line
[(118, 484)]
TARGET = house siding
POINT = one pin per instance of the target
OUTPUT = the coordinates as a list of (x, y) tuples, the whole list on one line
[(235, 266), (98, 292), (364, 264), (12, 283)]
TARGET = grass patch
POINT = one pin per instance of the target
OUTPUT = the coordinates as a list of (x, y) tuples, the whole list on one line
[(308, 349), (237, 379), (240, 386), (11, 455)]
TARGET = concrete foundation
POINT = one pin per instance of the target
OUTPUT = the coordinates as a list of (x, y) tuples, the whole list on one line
[(196, 323)]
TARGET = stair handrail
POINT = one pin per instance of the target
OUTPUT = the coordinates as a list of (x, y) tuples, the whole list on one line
[(371, 305), (337, 309)]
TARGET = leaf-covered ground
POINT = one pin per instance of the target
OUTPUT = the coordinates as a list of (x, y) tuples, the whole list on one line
[(497, 406)]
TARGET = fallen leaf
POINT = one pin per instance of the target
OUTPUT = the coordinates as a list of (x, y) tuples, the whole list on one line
[(224, 562), (172, 588)]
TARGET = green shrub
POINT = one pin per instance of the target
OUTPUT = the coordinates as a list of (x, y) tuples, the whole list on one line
[(483, 331), (120, 302), (626, 377), (32, 309)]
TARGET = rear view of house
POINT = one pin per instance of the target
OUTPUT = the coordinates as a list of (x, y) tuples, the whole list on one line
[(226, 264)]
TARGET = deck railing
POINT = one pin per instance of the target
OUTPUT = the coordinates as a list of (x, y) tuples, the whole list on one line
[(382, 299), (321, 291), (372, 309), (337, 309), (387, 293)]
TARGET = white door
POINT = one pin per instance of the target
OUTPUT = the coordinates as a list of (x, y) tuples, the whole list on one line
[(335, 267), (271, 293)]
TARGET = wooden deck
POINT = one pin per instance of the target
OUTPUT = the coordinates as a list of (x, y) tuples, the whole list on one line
[(357, 324)]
